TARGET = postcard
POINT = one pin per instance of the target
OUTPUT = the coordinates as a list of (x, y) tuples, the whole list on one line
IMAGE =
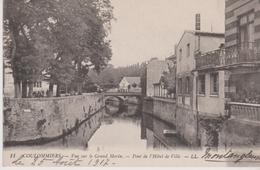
[(112, 83)]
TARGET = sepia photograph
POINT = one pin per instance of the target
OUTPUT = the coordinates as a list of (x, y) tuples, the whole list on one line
[(113, 83)]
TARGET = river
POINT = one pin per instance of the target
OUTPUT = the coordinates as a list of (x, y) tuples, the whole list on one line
[(111, 130)]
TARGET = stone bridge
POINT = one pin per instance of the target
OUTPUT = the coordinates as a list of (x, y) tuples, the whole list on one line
[(121, 96)]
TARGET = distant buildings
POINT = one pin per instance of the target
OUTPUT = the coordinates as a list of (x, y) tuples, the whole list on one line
[(39, 87), (155, 69), (8, 80), (129, 84), (165, 87)]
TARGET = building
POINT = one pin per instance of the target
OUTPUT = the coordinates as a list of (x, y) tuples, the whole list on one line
[(191, 43), (165, 88), (229, 78), (129, 84), (39, 87), (155, 69), (160, 90), (243, 50), (8, 80)]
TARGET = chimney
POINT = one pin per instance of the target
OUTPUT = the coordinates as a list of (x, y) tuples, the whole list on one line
[(197, 23)]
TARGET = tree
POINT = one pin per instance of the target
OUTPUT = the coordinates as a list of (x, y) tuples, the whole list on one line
[(26, 26), (57, 40), (169, 79), (81, 33)]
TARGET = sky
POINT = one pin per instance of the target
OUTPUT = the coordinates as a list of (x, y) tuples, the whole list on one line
[(144, 29)]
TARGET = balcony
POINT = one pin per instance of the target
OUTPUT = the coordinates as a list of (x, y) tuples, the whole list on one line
[(245, 111), (243, 53)]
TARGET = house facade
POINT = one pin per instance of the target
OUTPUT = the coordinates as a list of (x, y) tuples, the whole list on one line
[(40, 87), (229, 77), (8, 80), (129, 84), (165, 87), (155, 69), (191, 43)]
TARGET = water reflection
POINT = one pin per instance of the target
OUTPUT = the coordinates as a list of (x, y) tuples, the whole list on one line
[(127, 131), (160, 134), (118, 133)]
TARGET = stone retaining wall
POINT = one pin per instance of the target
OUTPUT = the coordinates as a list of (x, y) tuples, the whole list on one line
[(34, 118)]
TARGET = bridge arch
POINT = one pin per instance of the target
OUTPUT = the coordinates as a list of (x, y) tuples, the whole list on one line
[(123, 98), (121, 105), (120, 98)]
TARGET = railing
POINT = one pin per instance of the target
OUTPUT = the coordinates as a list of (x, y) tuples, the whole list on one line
[(244, 111), (209, 59), (166, 96), (243, 53), (122, 93)]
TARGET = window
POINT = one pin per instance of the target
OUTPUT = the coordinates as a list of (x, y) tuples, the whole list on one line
[(34, 84), (180, 54), (188, 50), (246, 30), (214, 84), (201, 84), (180, 86), (187, 85)]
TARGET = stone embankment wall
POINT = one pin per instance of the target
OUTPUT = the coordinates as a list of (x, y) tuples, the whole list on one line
[(164, 109), (221, 132), (40, 120), (236, 133), (183, 119)]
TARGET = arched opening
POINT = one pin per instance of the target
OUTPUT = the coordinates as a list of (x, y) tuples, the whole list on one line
[(115, 105)]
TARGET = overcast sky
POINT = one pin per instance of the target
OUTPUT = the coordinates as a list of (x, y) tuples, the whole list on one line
[(150, 28)]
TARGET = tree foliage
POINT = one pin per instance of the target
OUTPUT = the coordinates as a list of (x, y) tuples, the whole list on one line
[(57, 40), (169, 79), (111, 76)]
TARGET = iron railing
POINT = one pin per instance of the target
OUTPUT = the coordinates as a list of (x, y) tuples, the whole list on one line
[(243, 53)]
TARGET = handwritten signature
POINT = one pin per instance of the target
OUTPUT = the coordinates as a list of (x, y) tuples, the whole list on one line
[(230, 156)]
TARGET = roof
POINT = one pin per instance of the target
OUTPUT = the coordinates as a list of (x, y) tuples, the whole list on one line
[(202, 33), (132, 80)]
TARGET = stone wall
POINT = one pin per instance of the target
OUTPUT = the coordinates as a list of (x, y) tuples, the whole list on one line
[(34, 118), (184, 119), (237, 133), (186, 125), (164, 109)]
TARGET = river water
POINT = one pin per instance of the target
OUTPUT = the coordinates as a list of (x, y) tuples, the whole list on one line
[(125, 131)]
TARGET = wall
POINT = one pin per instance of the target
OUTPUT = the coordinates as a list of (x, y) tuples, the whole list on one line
[(186, 125), (155, 68), (233, 10), (209, 43), (163, 109), (212, 104), (33, 118), (237, 133), (184, 119), (186, 63)]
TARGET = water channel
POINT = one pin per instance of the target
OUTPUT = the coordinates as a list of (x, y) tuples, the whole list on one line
[(111, 130)]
